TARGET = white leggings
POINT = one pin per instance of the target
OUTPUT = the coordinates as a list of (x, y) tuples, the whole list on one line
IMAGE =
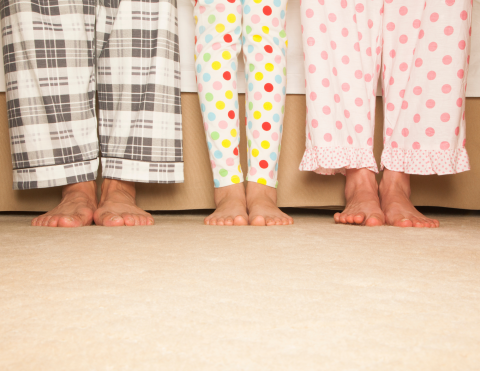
[(425, 48)]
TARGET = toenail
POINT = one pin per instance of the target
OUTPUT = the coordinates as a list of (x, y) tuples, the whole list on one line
[(115, 218), (69, 218)]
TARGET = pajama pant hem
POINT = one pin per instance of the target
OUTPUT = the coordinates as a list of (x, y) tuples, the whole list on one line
[(55, 175), (268, 181), (142, 171), (333, 160)]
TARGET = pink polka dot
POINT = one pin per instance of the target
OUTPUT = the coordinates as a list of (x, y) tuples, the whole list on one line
[(430, 132), (358, 128), (230, 161), (459, 102), (326, 83), (277, 98), (416, 118), (222, 124), (324, 55), (393, 53), (446, 89), (421, 34), (275, 136), (202, 9), (403, 67), (345, 59), (253, 171), (402, 93), (444, 146), (275, 22), (356, 46), (464, 15), (447, 60), (405, 132), (445, 117), (257, 95), (220, 7), (359, 8), (339, 125), (462, 45), (255, 18), (403, 39), (417, 23), (390, 106), (312, 68), (216, 46), (323, 28), (336, 98), (200, 87), (199, 48), (404, 104), (460, 74), (390, 26), (416, 145), (349, 140), (418, 62), (448, 30), (391, 81), (333, 44), (326, 110), (344, 32), (309, 13), (346, 113), (394, 145), (417, 90), (259, 57), (449, 2), (431, 75), (434, 17), (278, 59), (389, 132), (432, 46), (332, 17), (327, 137), (256, 134), (314, 123), (370, 142), (313, 96), (359, 102), (334, 71), (310, 41), (345, 87), (430, 103), (457, 131)]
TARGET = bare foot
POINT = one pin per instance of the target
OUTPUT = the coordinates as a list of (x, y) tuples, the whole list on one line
[(262, 206), (363, 204), (117, 206), (79, 202), (395, 199), (231, 206)]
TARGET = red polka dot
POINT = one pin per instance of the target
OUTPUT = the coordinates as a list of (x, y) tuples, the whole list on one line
[(266, 126), (227, 38), (268, 49), (464, 15), (263, 164), (226, 75), (231, 114), (267, 10), (268, 87)]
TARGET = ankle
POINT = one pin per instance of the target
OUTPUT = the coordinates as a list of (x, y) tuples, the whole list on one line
[(89, 189), (112, 185), (256, 190), (360, 179), (234, 191), (394, 181)]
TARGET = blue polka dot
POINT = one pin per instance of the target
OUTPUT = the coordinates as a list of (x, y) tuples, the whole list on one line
[(276, 41), (276, 167), (208, 2), (218, 154), (276, 117), (211, 116), (282, 14), (206, 77), (199, 68), (250, 48), (281, 128), (277, 3), (243, 39), (250, 124), (242, 1), (273, 156), (209, 145), (250, 86), (208, 38), (234, 66), (283, 90), (249, 163), (202, 107), (216, 182), (278, 79), (238, 30), (201, 29), (236, 104), (246, 10), (283, 51)]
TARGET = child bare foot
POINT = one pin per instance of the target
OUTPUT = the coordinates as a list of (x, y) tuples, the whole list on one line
[(395, 200), (117, 206), (262, 206), (231, 206), (363, 204), (79, 202)]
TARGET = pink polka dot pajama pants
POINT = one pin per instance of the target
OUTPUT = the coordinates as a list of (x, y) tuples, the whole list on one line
[(425, 48), (219, 35)]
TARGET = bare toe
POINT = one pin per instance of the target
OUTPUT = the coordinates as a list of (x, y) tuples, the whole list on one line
[(240, 220), (229, 221), (374, 221), (258, 221), (359, 218)]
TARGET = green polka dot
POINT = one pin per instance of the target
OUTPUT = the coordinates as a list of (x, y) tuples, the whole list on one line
[(249, 29), (209, 97), (212, 19), (251, 67), (284, 71), (250, 106), (206, 57), (249, 143), (215, 135), (282, 32), (276, 184), (223, 172), (283, 109)]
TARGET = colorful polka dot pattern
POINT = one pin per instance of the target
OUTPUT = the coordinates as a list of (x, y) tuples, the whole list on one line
[(220, 35), (425, 47)]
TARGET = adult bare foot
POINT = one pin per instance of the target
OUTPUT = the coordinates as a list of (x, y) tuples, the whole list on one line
[(262, 206), (395, 200), (363, 204), (117, 206), (79, 202), (231, 206)]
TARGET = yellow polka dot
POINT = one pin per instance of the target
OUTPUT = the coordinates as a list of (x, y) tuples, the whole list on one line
[(220, 105), (257, 115), (257, 38), (267, 106), (259, 76), (228, 94), (269, 67), (255, 152), (233, 133), (286, 43), (265, 144), (196, 19), (216, 65), (239, 169), (226, 143), (235, 179), (262, 181), (220, 28), (231, 18), (258, 1), (265, 29), (226, 55)]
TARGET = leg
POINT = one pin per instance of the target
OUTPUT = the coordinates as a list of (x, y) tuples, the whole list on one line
[(48, 57), (217, 34), (342, 63), (264, 49), (139, 104), (424, 100)]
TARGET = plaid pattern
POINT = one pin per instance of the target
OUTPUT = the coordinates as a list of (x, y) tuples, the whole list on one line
[(57, 54)]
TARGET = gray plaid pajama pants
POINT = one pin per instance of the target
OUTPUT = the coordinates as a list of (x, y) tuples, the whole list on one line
[(57, 55)]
